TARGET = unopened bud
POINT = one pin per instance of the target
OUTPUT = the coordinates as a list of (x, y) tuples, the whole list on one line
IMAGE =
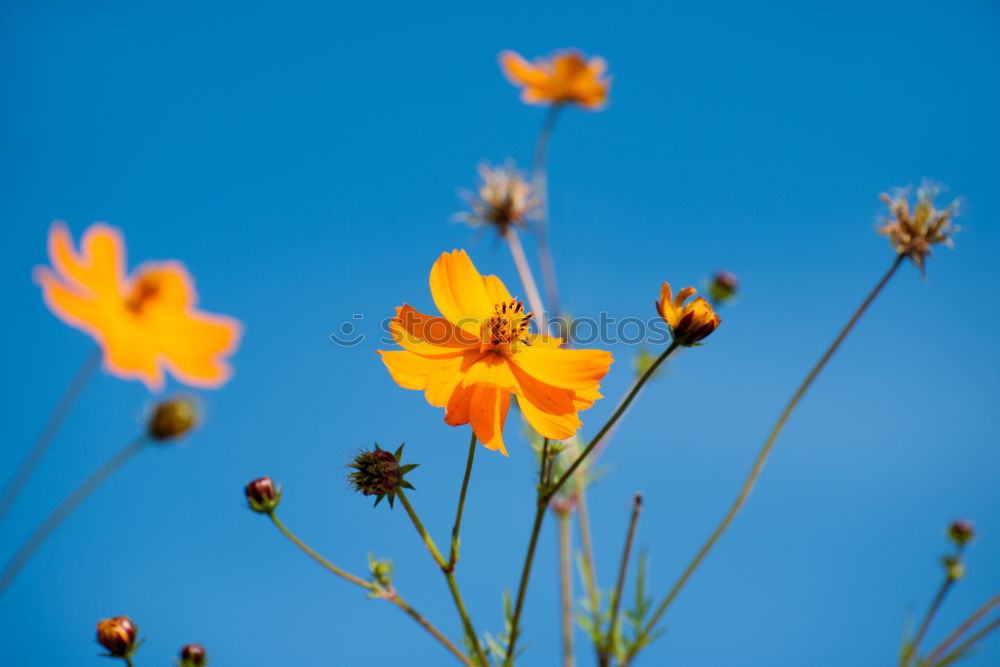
[(723, 286), (381, 570), (954, 567), (961, 532), (117, 635), (172, 418), (263, 495), (193, 655)]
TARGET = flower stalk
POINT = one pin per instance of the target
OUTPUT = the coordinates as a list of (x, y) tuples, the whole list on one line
[(453, 556), (988, 606), (390, 594), (449, 575), (762, 458), (49, 431), (539, 176), (566, 584), (604, 655), (71, 502), (622, 407)]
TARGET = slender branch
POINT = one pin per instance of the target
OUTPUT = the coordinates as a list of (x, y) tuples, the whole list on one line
[(566, 585), (527, 279), (60, 513), (453, 557), (354, 579), (49, 431), (515, 629), (762, 456), (540, 182), (605, 654), (587, 549), (968, 643), (412, 613), (391, 595), (611, 422), (913, 649), (128, 660), (456, 595), (988, 606)]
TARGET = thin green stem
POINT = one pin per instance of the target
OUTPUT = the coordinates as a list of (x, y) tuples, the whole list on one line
[(605, 654), (515, 629), (540, 183), (527, 279), (987, 607), (431, 547), (453, 557), (554, 488), (60, 513), (566, 585), (449, 576), (49, 431), (391, 595), (913, 649), (354, 579), (762, 457), (128, 660), (968, 643)]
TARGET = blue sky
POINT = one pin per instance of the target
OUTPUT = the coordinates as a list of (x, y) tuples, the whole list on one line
[(303, 161)]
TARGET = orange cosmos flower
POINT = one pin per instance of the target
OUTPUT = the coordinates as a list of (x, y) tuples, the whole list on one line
[(146, 322), (689, 323), (565, 77), (471, 360)]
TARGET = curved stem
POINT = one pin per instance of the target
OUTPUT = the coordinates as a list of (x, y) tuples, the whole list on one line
[(990, 604), (60, 513), (527, 279), (762, 456), (611, 422), (49, 431), (605, 655), (449, 576), (453, 558), (390, 595), (566, 585), (356, 580), (540, 182)]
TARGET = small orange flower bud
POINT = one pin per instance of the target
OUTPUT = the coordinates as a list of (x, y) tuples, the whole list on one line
[(961, 532), (172, 418), (379, 473), (723, 286), (691, 322), (117, 635), (263, 495), (193, 655)]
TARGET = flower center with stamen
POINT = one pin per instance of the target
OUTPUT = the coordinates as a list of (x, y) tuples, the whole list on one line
[(509, 323), (144, 290)]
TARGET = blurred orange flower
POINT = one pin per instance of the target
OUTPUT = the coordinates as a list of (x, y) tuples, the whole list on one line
[(146, 322), (691, 322), (471, 360), (565, 77)]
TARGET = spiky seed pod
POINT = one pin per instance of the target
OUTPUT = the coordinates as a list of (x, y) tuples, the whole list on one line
[(379, 473)]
